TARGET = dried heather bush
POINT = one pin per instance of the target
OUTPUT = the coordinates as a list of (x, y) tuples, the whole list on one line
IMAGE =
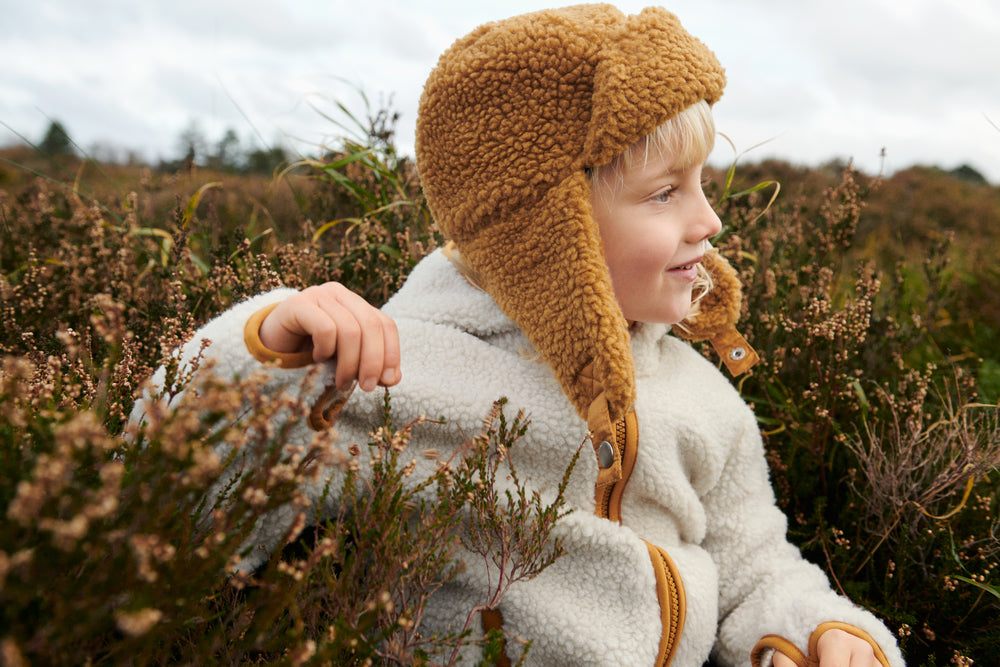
[(371, 566), (869, 416), (369, 569), (111, 552), (508, 530), (919, 467)]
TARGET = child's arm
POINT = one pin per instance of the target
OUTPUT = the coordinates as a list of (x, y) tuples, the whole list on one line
[(770, 597), (322, 324), (330, 320)]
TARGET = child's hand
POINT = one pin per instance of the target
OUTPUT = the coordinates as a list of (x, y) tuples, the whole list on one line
[(332, 320), (837, 648)]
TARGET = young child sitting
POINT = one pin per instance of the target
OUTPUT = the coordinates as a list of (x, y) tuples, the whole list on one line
[(561, 152)]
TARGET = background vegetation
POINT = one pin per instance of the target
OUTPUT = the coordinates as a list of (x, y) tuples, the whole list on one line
[(873, 302)]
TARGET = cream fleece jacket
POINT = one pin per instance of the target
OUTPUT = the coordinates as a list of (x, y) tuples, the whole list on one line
[(700, 487)]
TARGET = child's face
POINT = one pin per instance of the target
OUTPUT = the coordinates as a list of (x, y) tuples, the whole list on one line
[(654, 224)]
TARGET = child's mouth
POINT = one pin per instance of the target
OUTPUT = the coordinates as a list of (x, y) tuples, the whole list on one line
[(687, 272)]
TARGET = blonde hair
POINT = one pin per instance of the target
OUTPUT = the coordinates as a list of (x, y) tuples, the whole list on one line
[(688, 139)]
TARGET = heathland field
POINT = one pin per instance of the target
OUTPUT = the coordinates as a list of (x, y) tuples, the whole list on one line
[(875, 304)]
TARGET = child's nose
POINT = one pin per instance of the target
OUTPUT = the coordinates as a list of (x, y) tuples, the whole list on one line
[(706, 223)]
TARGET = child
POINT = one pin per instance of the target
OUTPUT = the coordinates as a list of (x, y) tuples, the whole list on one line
[(561, 152)]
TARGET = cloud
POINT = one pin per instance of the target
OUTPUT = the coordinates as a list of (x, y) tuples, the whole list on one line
[(822, 79)]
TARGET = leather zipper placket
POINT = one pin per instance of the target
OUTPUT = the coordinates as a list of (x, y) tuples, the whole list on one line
[(609, 499)]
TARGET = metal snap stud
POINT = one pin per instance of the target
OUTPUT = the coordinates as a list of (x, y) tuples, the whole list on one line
[(605, 454), (737, 353)]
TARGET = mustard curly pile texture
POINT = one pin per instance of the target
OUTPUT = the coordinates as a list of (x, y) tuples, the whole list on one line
[(509, 119)]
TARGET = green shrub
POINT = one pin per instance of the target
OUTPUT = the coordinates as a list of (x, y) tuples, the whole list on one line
[(382, 226), (874, 397), (877, 398), (109, 552)]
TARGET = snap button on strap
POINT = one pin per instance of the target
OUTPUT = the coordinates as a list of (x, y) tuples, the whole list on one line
[(609, 459), (605, 454), (735, 351), (602, 438)]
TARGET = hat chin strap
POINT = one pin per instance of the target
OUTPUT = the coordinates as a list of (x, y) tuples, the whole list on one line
[(715, 320), (600, 424)]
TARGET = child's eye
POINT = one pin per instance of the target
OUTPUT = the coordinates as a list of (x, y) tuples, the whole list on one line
[(663, 196)]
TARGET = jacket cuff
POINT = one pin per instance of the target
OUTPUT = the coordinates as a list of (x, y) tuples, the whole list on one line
[(761, 654), (327, 408), (251, 337)]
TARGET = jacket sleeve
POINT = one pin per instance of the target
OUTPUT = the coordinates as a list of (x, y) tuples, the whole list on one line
[(222, 342), (767, 589)]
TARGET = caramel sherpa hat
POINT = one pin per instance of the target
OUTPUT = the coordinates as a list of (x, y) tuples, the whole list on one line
[(509, 120)]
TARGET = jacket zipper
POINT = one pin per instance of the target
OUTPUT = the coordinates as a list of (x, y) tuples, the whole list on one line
[(669, 588), (609, 504)]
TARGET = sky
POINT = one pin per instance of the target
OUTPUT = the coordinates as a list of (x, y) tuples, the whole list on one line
[(883, 83)]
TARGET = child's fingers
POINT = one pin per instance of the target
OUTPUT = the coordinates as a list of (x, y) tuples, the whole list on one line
[(329, 325), (373, 345), (391, 361), (367, 344), (354, 335), (315, 325), (291, 326), (336, 322), (781, 660)]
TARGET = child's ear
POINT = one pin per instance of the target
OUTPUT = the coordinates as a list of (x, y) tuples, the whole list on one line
[(718, 313)]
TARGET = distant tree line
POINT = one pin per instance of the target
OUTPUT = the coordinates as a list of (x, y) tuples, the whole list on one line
[(229, 154)]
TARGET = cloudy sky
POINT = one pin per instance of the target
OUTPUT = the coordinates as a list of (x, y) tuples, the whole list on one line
[(814, 80)]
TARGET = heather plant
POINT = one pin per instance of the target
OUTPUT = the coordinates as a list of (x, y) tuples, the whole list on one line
[(113, 552), (508, 530), (389, 227), (110, 551), (883, 453), (877, 397)]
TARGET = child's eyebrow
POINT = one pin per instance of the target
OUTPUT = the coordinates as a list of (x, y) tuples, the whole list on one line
[(655, 178)]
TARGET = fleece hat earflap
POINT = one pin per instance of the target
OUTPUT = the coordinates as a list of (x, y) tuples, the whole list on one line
[(509, 120)]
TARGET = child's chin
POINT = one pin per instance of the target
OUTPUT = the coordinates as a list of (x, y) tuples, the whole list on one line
[(680, 314), (668, 312)]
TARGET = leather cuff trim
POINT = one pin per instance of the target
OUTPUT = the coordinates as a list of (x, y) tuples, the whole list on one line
[(790, 650), (777, 643), (251, 338)]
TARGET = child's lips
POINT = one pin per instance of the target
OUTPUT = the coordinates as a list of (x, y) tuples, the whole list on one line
[(687, 271)]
